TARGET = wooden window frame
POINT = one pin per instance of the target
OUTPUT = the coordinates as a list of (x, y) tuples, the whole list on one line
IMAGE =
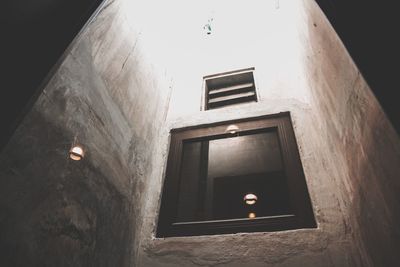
[(302, 216)]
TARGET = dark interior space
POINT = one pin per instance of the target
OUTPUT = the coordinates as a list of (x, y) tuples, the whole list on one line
[(216, 175), (270, 188)]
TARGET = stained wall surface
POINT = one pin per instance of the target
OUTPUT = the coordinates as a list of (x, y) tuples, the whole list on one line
[(133, 74), (366, 146), (58, 212)]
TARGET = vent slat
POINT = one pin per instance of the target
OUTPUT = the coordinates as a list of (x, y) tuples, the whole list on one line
[(231, 91), (231, 97), (230, 88), (225, 103)]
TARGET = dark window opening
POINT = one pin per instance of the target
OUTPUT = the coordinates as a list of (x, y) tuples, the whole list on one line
[(229, 88), (236, 176)]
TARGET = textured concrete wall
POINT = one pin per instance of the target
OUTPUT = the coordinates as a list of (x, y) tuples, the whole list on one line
[(359, 133), (301, 67), (112, 93), (57, 212)]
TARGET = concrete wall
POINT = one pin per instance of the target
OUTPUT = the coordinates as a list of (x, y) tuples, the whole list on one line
[(57, 212), (302, 67), (135, 73), (366, 146)]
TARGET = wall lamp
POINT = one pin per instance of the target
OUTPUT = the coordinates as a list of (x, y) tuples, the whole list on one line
[(232, 129), (76, 152)]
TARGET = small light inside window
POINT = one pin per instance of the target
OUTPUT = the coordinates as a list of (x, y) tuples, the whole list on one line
[(232, 129), (252, 215), (250, 199), (76, 153)]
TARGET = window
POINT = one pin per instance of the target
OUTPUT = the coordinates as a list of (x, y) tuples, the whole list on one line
[(229, 88), (235, 176)]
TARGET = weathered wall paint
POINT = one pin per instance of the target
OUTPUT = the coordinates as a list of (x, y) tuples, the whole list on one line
[(112, 91)]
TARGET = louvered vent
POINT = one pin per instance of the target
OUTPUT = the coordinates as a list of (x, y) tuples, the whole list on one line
[(230, 88)]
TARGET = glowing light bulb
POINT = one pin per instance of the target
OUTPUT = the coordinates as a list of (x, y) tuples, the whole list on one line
[(232, 129), (76, 153), (252, 215), (250, 199)]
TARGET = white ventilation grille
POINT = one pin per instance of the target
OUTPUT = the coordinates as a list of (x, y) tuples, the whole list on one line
[(231, 88)]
